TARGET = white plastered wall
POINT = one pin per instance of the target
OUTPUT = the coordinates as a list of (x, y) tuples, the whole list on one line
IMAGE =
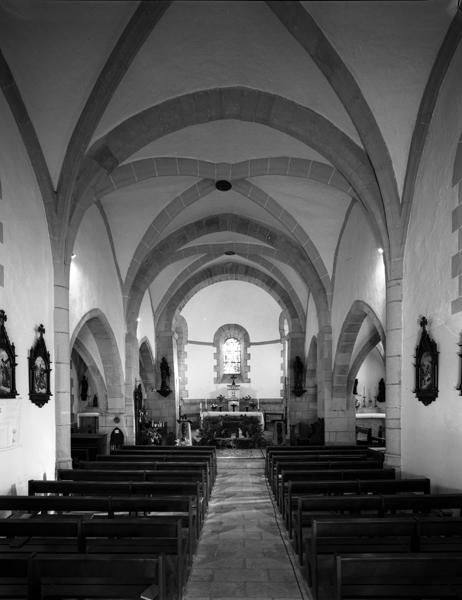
[(359, 273), (432, 435), (312, 324), (145, 327), (27, 433), (94, 283)]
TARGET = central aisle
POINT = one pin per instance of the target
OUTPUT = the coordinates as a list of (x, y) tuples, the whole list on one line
[(243, 551)]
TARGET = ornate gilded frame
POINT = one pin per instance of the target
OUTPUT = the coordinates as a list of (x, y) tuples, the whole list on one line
[(426, 367), (7, 362), (39, 370)]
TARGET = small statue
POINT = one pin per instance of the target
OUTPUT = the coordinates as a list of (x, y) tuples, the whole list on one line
[(298, 377), (381, 392), (165, 378), (84, 389)]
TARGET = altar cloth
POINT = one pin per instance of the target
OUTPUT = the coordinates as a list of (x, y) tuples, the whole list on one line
[(237, 413)]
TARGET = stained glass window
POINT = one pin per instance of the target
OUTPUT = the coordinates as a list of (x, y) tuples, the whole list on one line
[(231, 356)]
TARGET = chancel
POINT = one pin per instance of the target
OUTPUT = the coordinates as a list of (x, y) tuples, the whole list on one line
[(231, 297)]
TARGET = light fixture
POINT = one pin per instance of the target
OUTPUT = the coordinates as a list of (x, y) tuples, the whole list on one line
[(138, 319), (380, 250), (73, 255)]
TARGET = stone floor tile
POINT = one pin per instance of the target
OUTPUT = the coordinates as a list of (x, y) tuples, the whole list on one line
[(244, 552)]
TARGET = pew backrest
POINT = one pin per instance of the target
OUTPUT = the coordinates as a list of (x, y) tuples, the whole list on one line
[(412, 575)]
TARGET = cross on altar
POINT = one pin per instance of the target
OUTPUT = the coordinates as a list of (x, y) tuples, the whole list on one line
[(233, 388)]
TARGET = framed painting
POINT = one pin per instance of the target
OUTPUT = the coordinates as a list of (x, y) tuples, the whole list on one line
[(7, 362), (426, 367), (39, 370)]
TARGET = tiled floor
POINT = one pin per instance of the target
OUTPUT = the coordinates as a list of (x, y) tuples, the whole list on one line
[(244, 551)]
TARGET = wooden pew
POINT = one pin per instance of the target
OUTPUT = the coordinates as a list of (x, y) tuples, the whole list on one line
[(14, 576), (301, 464), (146, 536), (287, 451), (300, 476), (162, 488), (403, 576), (97, 576), (152, 463), (439, 535), (297, 487), (40, 535), (270, 450), (318, 507), (294, 458), (200, 452), (175, 471), (183, 505), (348, 536)]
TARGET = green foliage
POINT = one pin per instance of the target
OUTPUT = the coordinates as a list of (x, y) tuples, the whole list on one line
[(224, 426)]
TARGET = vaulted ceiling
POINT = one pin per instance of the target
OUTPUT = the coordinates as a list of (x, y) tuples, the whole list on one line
[(143, 107)]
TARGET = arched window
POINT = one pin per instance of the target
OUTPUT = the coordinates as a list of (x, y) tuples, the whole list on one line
[(231, 356)]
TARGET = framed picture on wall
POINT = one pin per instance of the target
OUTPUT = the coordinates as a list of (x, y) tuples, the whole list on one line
[(7, 362), (426, 367), (39, 370)]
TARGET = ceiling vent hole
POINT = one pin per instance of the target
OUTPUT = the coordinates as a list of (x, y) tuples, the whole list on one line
[(223, 185), (230, 253)]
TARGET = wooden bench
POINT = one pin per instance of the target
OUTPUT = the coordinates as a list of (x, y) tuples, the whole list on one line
[(296, 479), (14, 576), (147, 536), (97, 576), (162, 488), (287, 450), (319, 507), (301, 464), (346, 536), (164, 471), (161, 502), (163, 461), (294, 458), (296, 489), (175, 452), (403, 576)]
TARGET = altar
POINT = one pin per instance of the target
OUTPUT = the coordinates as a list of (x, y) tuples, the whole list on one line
[(214, 414)]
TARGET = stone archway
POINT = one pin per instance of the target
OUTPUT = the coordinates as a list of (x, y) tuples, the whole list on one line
[(97, 324), (340, 415)]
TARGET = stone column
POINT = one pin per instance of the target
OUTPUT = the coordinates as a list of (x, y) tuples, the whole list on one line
[(132, 373), (339, 415), (61, 366), (393, 361)]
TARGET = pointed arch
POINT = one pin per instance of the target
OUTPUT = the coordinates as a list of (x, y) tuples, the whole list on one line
[(245, 104), (106, 342), (358, 312)]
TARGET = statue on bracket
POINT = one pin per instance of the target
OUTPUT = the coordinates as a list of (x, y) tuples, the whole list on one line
[(298, 377), (39, 370), (426, 367), (7, 362), (165, 378)]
